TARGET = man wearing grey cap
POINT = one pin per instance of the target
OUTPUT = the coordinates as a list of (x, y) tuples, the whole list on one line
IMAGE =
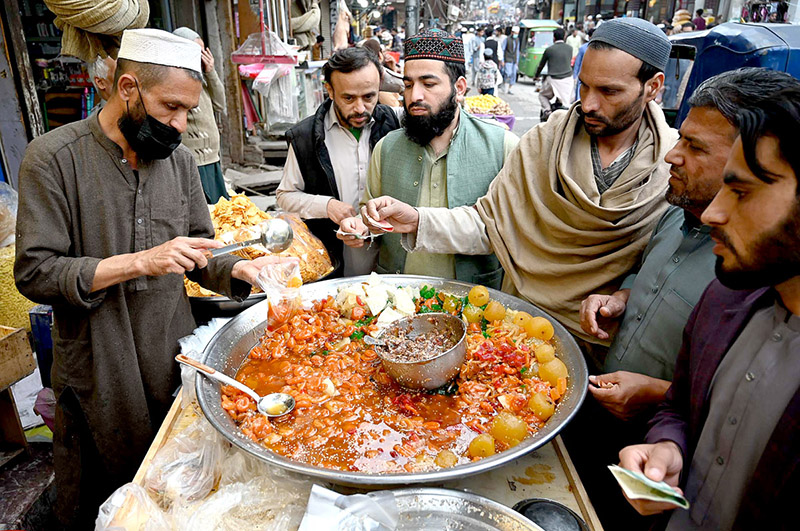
[(574, 205), (111, 216)]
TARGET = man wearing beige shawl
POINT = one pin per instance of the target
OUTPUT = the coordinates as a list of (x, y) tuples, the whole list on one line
[(575, 203)]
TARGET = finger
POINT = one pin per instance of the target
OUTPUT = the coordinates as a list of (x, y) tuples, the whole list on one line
[(370, 210), (184, 262), (633, 457), (195, 256), (201, 243), (589, 315)]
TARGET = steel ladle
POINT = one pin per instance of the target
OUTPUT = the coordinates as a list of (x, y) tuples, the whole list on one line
[(271, 405), (276, 236)]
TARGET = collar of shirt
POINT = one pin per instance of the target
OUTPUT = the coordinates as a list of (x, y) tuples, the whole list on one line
[(692, 223), (332, 119)]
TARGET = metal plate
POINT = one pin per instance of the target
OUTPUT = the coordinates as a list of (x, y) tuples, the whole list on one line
[(229, 348), (452, 510)]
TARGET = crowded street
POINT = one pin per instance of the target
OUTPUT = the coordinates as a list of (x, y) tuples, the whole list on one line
[(378, 265)]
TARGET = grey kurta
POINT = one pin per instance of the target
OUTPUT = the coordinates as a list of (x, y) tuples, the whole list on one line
[(80, 202)]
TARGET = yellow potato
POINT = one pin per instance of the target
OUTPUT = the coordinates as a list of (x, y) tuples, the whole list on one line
[(508, 428), (544, 352), (541, 328), (494, 311), (481, 446), (542, 406), (551, 371), (446, 459)]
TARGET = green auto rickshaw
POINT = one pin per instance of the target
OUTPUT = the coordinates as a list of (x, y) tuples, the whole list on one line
[(535, 36)]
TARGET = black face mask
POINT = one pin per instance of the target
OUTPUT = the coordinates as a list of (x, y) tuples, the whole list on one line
[(148, 137)]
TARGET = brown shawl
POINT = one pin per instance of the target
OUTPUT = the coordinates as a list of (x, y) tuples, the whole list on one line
[(558, 239)]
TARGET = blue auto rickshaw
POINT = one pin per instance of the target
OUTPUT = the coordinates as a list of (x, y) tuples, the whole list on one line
[(700, 55)]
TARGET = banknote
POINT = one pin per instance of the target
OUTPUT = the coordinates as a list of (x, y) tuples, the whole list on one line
[(639, 487)]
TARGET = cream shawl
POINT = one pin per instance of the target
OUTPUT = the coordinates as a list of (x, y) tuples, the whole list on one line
[(558, 239)]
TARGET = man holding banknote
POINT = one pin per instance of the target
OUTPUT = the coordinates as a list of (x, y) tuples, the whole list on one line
[(727, 434)]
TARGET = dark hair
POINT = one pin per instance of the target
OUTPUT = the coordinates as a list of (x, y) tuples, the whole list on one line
[(646, 71), (149, 74), (689, 25), (778, 116), (558, 34), (699, 12), (590, 32), (455, 71), (320, 38), (350, 60), (732, 91), (373, 46)]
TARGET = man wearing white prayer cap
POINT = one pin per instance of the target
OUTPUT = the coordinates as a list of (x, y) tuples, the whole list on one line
[(111, 216)]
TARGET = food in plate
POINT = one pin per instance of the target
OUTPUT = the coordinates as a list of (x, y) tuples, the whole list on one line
[(487, 104), (350, 415), (237, 220)]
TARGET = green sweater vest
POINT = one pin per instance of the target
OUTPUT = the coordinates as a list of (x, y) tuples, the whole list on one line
[(474, 159)]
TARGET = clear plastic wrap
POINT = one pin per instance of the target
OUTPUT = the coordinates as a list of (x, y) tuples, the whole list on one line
[(191, 347), (330, 511), (188, 466), (129, 508), (281, 283), (9, 199)]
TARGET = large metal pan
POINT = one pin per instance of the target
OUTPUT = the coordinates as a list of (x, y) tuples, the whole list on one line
[(228, 349)]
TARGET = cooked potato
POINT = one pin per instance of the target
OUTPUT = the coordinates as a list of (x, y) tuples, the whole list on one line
[(472, 314), (552, 371), (478, 296), (481, 446), (446, 459), (541, 328), (523, 319), (508, 428), (544, 353), (494, 311), (542, 406)]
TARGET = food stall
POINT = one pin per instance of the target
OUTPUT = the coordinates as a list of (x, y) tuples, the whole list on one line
[(491, 107)]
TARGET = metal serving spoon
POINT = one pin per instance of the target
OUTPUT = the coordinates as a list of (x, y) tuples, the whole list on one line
[(276, 235), (272, 405)]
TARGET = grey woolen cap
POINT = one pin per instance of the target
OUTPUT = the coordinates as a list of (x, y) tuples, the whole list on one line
[(637, 37)]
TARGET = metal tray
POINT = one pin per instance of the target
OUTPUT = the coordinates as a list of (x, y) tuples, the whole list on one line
[(229, 348), (427, 509)]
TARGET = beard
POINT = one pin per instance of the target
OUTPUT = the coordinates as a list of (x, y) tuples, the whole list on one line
[(346, 120), (619, 122), (773, 259), (695, 200), (421, 129), (129, 124)]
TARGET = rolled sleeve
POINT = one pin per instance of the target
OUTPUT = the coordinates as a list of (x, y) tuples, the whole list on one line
[(292, 198)]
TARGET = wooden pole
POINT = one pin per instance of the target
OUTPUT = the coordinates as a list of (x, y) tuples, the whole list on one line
[(234, 130)]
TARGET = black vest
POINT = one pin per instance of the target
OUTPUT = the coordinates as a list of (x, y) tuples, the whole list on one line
[(307, 139)]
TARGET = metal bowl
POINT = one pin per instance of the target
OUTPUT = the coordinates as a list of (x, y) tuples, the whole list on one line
[(434, 372), (230, 346)]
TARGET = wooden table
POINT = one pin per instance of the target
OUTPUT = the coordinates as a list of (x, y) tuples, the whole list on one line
[(546, 473)]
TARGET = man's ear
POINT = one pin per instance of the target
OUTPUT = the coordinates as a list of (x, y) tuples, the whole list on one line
[(653, 86), (126, 87), (329, 88), (461, 86)]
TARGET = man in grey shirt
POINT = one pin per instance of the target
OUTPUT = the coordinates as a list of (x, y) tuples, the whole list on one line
[(727, 433), (558, 81)]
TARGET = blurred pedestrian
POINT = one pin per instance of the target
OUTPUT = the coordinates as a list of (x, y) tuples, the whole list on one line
[(510, 58), (101, 74), (202, 135), (558, 82), (318, 51)]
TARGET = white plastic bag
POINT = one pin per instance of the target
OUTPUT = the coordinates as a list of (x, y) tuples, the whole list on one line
[(188, 466), (129, 508)]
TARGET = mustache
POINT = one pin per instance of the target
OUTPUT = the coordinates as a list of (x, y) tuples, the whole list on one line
[(594, 116), (722, 238), (419, 105), (360, 115)]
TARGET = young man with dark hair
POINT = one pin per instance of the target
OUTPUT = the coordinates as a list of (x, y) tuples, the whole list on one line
[(442, 157), (699, 21), (326, 169), (558, 83), (111, 217), (727, 433)]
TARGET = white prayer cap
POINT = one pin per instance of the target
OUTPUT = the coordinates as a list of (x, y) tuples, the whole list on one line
[(161, 48)]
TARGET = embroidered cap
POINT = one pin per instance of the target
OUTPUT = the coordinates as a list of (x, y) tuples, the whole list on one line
[(435, 44)]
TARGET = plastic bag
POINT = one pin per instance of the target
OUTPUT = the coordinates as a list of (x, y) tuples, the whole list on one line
[(276, 82), (187, 467), (263, 47), (9, 199), (315, 262), (281, 283), (252, 495), (330, 511), (129, 508)]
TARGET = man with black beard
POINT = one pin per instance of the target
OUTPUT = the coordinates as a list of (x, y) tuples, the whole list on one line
[(111, 215), (443, 157), (325, 174), (727, 434), (574, 206)]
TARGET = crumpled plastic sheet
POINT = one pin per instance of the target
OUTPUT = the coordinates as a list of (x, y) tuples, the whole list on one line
[(249, 495)]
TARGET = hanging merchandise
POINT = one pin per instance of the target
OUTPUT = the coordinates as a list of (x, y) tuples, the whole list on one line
[(276, 83), (264, 47)]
